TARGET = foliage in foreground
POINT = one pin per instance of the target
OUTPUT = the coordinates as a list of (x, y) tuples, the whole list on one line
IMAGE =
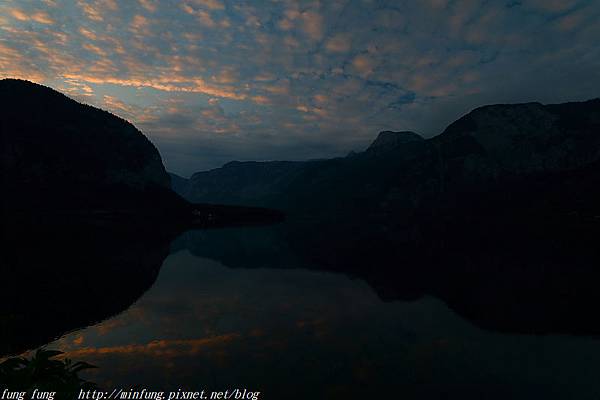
[(45, 373)]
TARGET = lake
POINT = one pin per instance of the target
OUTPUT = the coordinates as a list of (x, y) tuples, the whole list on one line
[(227, 311)]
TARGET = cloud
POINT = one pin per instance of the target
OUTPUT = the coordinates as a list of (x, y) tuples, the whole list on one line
[(90, 11), (312, 24), (205, 18), (286, 24), (39, 16), (149, 5), (42, 18), (339, 43), (140, 26), (19, 15), (117, 106), (162, 348), (167, 84), (291, 80), (88, 33), (364, 64), (261, 100), (210, 4), (226, 75)]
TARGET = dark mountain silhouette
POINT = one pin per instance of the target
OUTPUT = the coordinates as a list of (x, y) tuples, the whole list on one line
[(59, 155), (178, 183), (241, 183), (389, 141), (87, 215), (498, 216), (492, 145)]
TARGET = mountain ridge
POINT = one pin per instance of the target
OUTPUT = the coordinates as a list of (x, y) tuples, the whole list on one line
[(489, 143), (63, 157)]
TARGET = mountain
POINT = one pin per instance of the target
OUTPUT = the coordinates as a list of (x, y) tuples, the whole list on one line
[(179, 184), (527, 138), (240, 183), (498, 215), (400, 171), (277, 183), (58, 154), (388, 141), (61, 156)]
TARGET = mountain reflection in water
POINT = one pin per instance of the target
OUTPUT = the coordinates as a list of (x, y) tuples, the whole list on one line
[(239, 308)]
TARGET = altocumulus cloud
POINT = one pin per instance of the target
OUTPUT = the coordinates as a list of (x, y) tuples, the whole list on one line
[(215, 80)]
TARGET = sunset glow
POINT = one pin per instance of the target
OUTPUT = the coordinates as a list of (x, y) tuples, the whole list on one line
[(210, 81)]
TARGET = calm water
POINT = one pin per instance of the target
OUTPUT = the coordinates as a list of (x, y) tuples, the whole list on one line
[(299, 333)]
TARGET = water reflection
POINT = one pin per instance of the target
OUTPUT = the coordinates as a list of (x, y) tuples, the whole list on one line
[(524, 283), (308, 334), (57, 277), (256, 308)]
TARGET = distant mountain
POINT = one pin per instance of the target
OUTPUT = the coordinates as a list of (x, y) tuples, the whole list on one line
[(499, 216), (240, 183), (491, 145), (388, 141), (271, 183), (179, 184)]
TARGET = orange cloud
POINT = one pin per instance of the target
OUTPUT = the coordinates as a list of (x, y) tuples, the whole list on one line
[(285, 24), (320, 98), (312, 24), (18, 14), (363, 64), (78, 340), (87, 33), (13, 65), (339, 43), (110, 4), (264, 77), (169, 348), (263, 100), (282, 88), (149, 5), (117, 106), (90, 12), (80, 87), (167, 84), (186, 7), (40, 17), (227, 75), (205, 18), (94, 49), (139, 22), (211, 4)]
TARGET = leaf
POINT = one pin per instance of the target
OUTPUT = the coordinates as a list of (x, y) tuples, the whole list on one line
[(81, 365), (47, 354)]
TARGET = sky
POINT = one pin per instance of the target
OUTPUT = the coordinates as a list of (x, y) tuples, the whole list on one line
[(210, 81)]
